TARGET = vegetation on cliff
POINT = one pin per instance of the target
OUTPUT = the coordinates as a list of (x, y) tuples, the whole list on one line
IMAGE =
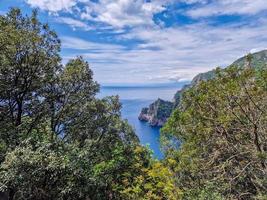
[(157, 113), (197, 79), (221, 124)]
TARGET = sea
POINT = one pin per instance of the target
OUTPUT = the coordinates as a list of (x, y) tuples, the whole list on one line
[(133, 99)]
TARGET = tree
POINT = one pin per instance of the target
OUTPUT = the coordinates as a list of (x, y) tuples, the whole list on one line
[(221, 124), (57, 140), (28, 60)]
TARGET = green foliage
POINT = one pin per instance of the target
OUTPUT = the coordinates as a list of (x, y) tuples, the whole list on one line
[(28, 59), (222, 127), (164, 109), (57, 140), (153, 182)]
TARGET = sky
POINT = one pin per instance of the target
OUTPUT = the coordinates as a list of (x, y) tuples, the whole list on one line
[(152, 41)]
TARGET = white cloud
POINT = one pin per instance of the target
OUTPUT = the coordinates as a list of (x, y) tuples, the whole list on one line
[(177, 53), (52, 5), (73, 23), (229, 7), (174, 53), (121, 13), (81, 44), (254, 50), (132, 13), (117, 13)]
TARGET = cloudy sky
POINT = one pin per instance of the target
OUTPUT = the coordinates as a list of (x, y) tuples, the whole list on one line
[(152, 41)]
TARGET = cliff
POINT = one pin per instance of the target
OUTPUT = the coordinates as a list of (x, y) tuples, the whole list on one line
[(158, 112)]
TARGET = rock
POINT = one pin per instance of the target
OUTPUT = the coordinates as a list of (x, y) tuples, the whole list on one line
[(157, 113)]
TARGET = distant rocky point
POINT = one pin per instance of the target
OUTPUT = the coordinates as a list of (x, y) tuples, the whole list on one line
[(157, 113)]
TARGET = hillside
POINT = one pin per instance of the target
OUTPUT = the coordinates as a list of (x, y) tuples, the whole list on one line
[(220, 125), (258, 59), (153, 116)]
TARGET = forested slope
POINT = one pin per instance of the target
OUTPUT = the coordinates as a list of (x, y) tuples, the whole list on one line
[(221, 124)]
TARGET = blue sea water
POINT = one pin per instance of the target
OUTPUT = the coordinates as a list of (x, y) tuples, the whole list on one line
[(133, 99)]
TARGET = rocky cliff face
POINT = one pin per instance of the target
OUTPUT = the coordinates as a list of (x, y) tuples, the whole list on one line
[(158, 112)]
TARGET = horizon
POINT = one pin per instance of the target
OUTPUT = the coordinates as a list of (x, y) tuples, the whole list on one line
[(144, 85), (152, 42)]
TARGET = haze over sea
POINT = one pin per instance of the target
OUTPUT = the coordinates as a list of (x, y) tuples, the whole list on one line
[(133, 99)]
